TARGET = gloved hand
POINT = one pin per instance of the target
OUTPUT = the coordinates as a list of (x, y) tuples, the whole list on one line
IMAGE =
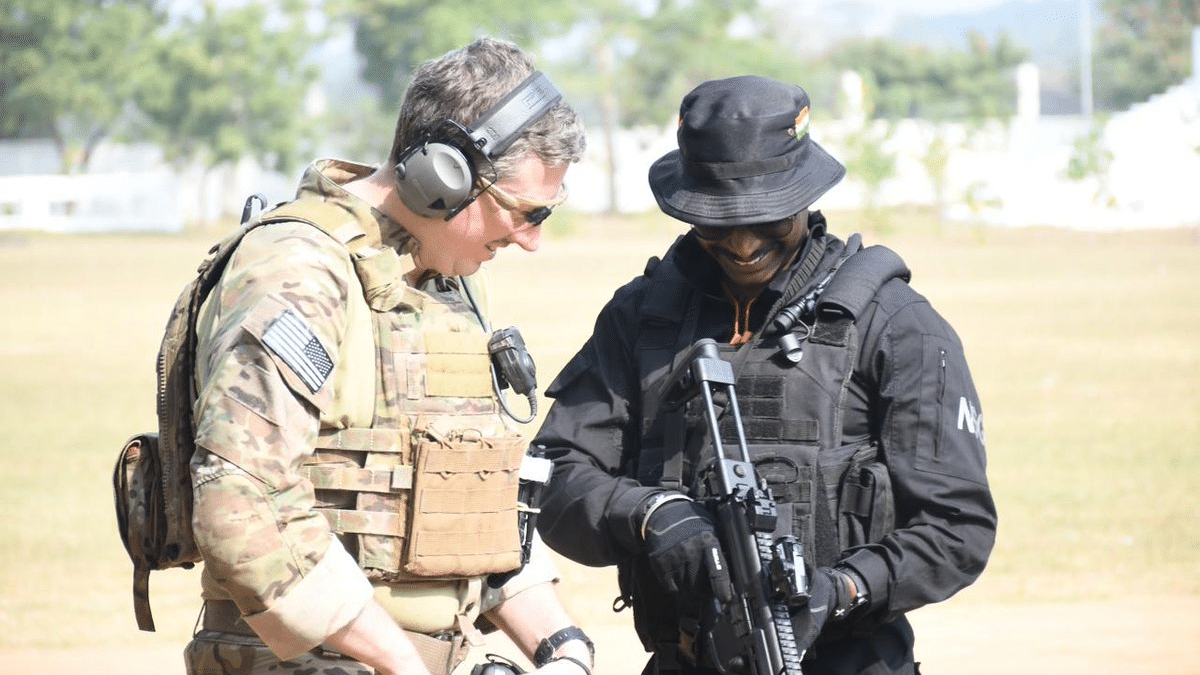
[(684, 551), (828, 591)]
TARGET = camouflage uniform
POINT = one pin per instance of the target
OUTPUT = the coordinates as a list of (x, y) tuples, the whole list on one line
[(342, 418)]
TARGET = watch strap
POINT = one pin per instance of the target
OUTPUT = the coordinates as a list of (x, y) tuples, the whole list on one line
[(546, 648)]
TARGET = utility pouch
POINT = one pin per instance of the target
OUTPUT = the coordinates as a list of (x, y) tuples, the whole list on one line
[(154, 523), (464, 508), (868, 510)]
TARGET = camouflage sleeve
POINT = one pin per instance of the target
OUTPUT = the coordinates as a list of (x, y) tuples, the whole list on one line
[(268, 344)]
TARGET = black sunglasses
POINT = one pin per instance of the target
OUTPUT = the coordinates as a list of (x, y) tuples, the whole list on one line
[(777, 229)]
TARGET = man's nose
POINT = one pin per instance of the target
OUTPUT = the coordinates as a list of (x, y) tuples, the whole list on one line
[(742, 242), (529, 238)]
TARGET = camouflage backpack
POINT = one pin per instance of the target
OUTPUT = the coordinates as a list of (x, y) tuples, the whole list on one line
[(152, 485)]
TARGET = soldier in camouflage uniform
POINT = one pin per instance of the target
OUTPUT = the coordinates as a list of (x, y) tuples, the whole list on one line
[(355, 482)]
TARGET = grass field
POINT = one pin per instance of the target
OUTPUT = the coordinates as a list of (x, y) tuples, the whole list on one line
[(1085, 348)]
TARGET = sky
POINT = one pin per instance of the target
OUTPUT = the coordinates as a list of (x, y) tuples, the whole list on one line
[(934, 6), (820, 22)]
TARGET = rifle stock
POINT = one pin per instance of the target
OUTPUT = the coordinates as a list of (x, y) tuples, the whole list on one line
[(753, 634)]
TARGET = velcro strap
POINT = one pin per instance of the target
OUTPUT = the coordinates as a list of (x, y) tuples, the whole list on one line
[(222, 616), (439, 656), (857, 499), (485, 460), (436, 500), (766, 429), (343, 477), (141, 596), (365, 522), (368, 440), (483, 542)]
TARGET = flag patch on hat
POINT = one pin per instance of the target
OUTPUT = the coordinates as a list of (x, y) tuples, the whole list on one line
[(800, 127), (296, 345)]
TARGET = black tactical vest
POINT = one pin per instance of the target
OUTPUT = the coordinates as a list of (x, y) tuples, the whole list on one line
[(791, 389)]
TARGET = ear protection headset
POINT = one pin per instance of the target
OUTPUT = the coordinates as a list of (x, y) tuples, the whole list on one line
[(436, 175)]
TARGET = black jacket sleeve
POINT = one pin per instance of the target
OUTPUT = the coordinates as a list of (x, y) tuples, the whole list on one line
[(925, 412), (591, 510)]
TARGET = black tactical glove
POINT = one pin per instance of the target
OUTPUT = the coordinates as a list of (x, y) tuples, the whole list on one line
[(809, 619), (829, 598), (685, 553)]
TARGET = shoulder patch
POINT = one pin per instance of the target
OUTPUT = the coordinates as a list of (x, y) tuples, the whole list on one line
[(295, 344)]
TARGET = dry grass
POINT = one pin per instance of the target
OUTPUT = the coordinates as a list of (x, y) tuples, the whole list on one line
[(1084, 347)]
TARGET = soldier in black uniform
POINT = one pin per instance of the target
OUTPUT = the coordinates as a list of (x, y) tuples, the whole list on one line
[(859, 409)]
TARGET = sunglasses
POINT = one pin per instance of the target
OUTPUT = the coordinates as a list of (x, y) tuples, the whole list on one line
[(777, 229), (534, 212)]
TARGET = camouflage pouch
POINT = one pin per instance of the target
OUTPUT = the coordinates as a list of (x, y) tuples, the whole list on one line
[(152, 486), (464, 507), (156, 533)]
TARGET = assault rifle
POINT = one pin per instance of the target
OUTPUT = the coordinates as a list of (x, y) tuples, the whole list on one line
[(753, 634)]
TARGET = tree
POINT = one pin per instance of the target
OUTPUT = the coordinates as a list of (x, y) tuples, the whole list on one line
[(1091, 161), (70, 69), (395, 36), (232, 84), (604, 36), (913, 81), (936, 162), (868, 162), (1143, 48), (680, 43), (635, 60)]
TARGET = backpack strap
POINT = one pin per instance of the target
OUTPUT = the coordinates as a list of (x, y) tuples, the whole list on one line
[(330, 218), (860, 277), (322, 215), (851, 289), (176, 369)]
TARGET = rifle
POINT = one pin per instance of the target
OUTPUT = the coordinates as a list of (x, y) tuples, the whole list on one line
[(753, 634)]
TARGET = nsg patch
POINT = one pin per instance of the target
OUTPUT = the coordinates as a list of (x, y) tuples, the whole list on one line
[(296, 345)]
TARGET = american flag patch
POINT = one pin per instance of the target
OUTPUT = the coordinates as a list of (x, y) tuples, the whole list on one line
[(291, 340)]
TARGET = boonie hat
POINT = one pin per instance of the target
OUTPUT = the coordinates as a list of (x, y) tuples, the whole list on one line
[(745, 155)]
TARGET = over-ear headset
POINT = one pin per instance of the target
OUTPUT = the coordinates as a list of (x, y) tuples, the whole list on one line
[(436, 175)]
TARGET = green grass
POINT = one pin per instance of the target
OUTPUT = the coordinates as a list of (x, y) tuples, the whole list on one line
[(1085, 348)]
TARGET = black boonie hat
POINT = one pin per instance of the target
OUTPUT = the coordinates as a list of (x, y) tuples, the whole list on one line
[(744, 157)]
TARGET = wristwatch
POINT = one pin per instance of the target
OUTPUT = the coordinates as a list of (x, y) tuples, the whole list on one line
[(545, 650), (857, 593), (654, 503)]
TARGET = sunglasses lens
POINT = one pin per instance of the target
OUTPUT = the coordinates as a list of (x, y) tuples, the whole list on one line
[(709, 233), (777, 230), (536, 216)]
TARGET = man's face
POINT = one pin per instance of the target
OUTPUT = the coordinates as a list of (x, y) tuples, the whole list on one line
[(497, 218), (751, 255)]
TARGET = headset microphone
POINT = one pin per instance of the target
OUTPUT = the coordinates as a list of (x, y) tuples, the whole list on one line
[(436, 176)]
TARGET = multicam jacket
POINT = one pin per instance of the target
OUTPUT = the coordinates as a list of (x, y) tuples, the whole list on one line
[(332, 398)]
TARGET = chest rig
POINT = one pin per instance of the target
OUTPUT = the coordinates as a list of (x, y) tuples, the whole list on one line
[(429, 490), (792, 380)]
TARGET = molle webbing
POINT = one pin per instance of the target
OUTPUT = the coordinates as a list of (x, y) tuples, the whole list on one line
[(381, 477), (764, 418)]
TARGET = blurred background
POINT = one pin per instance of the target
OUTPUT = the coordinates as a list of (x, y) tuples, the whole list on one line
[(1035, 163), (164, 114)]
